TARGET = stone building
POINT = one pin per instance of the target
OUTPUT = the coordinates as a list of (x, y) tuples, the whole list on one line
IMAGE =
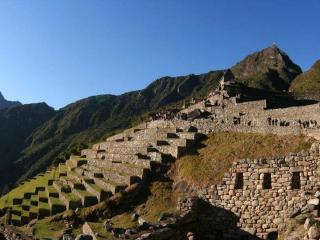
[(263, 193)]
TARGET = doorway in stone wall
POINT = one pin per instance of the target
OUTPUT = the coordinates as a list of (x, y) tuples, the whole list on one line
[(272, 236)]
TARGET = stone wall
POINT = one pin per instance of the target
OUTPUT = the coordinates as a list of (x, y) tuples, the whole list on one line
[(262, 193), (253, 117)]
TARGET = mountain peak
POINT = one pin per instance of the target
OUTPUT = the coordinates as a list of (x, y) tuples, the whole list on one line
[(270, 68), (1, 97), (7, 104)]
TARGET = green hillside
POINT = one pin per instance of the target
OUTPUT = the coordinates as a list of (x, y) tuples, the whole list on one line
[(308, 82), (16, 124), (91, 119)]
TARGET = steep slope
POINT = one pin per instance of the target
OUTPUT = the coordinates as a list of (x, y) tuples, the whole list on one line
[(91, 119), (308, 82), (7, 104), (16, 124), (270, 68)]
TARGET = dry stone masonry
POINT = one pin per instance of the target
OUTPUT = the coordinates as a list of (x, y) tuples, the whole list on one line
[(256, 196), (100, 172), (264, 193)]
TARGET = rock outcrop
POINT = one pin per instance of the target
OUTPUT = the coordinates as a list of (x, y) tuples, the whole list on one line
[(270, 68)]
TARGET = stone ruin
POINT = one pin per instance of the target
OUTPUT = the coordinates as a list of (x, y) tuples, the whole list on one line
[(255, 196)]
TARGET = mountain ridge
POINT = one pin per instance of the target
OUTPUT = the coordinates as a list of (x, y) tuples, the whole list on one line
[(92, 119), (307, 82), (7, 104)]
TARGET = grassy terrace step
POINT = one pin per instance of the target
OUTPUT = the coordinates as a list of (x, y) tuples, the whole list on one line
[(62, 169), (34, 200), (73, 183), (24, 218), (56, 205), (17, 210), (155, 141), (15, 220), (87, 198), (118, 157), (42, 197), (119, 149), (188, 135), (111, 175), (61, 187), (26, 204), (71, 200), (97, 191), (75, 161), (109, 185), (174, 151), (44, 210), (133, 143), (79, 177), (52, 192), (154, 136), (127, 168), (33, 212), (28, 189)]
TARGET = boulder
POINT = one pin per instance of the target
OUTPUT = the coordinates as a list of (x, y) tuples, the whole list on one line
[(314, 201), (314, 232), (308, 208), (134, 217), (308, 223)]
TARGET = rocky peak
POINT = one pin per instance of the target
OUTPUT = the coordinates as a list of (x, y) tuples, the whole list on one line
[(271, 68), (7, 104)]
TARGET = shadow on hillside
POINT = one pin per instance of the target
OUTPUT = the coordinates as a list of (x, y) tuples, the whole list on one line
[(214, 223)]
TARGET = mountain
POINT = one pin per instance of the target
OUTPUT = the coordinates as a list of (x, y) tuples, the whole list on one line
[(16, 124), (7, 104), (92, 119), (308, 82), (270, 68)]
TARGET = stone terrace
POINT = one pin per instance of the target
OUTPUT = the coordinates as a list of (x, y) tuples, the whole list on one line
[(102, 171)]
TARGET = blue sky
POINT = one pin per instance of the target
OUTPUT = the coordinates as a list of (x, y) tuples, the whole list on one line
[(59, 51)]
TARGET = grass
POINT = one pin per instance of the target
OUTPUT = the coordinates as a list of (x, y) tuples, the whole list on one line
[(124, 221), (161, 200), (308, 82), (207, 166), (102, 234), (43, 205), (43, 229), (28, 186), (56, 201)]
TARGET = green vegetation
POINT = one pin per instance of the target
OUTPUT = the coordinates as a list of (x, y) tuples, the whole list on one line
[(124, 221), (51, 137), (98, 227), (26, 187), (221, 149), (308, 82), (16, 125), (44, 229), (162, 200), (90, 120)]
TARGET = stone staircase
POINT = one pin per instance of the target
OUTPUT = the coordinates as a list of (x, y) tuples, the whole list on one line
[(100, 172)]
